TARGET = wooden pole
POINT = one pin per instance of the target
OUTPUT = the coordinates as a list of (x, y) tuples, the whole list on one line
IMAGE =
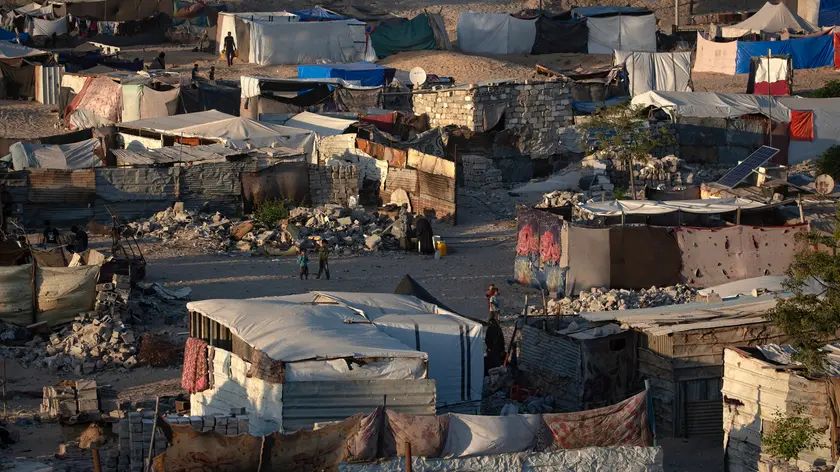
[(799, 204), (651, 413), (152, 442), (738, 216), (515, 329), (407, 456), (94, 449)]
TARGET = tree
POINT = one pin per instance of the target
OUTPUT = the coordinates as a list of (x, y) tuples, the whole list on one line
[(791, 435), (811, 320), (623, 131)]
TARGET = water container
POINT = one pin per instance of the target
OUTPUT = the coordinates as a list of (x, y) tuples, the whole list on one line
[(442, 248)]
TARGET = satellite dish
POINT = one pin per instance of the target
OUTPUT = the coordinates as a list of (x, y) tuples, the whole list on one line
[(417, 76), (824, 184)]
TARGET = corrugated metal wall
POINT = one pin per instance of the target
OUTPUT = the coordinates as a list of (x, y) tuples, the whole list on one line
[(554, 364), (133, 193), (307, 403), (64, 197), (48, 84), (215, 186)]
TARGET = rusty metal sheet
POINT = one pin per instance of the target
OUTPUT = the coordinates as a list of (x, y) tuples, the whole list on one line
[(61, 186), (405, 179), (395, 157), (193, 451), (286, 181)]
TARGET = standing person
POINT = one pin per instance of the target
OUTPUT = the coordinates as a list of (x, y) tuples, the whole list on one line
[(494, 303), (303, 262), (230, 49), (323, 259), (194, 74), (425, 235), (80, 239), (212, 72), (494, 341), (50, 237)]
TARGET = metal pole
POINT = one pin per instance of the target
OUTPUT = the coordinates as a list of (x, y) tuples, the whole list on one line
[(5, 415), (676, 15), (769, 103), (152, 442)]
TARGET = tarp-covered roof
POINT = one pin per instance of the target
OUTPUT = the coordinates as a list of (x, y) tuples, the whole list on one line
[(292, 332), (713, 105), (320, 124), (16, 51), (771, 18), (609, 11), (362, 73), (409, 286), (169, 123), (649, 207)]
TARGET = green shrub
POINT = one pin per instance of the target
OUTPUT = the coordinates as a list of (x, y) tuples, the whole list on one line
[(270, 212), (831, 89), (790, 436), (829, 162)]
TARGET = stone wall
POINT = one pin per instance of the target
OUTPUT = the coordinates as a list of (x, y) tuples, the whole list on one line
[(537, 113), (480, 173), (334, 184)]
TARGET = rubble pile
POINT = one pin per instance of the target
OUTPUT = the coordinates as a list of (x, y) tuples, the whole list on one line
[(559, 198), (346, 230), (600, 299)]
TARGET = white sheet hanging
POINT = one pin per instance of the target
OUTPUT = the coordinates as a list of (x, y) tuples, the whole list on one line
[(342, 41), (484, 33), (622, 32), (47, 28)]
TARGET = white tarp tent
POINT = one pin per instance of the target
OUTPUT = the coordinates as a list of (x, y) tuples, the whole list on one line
[(226, 23), (320, 124), (713, 105), (662, 71), (14, 51), (826, 126), (493, 33), (771, 18), (716, 57), (340, 41), (55, 156), (610, 30), (49, 27), (650, 207)]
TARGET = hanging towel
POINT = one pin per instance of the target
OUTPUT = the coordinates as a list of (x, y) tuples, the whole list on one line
[(194, 377)]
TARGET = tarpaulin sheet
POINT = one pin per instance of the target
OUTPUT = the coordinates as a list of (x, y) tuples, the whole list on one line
[(16, 51), (826, 126), (590, 247), (495, 33), (54, 258), (714, 105), (79, 155), (98, 104), (771, 18), (662, 71), (801, 125), (194, 450), (317, 14), (48, 28), (689, 193), (712, 56), (16, 294), (829, 14), (473, 435), (320, 124), (621, 33), (557, 34), (720, 255), (647, 207), (622, 424), (341, 41), (539, 250), (407, 35), (807, 53), (154, 103), (426, 434), (325, 448), (359, 73), (64, 292), (19, 81)]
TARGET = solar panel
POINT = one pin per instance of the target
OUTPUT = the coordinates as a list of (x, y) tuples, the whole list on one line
[(745, 168)]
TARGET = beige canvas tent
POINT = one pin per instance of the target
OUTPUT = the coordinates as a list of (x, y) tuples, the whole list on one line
[(771, 18)]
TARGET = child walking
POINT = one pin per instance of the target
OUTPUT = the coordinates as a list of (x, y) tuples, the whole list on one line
[(303, 262), (323, 259), (494, 302)]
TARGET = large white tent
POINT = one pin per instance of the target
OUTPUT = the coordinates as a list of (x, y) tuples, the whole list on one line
[(310, 42), (619, 29), (227, 23), (713, 105), (495, 33), (771, 18)]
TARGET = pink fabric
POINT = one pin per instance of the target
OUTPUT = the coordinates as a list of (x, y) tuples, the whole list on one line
[(427, 434), (194, 377), (622, 424)]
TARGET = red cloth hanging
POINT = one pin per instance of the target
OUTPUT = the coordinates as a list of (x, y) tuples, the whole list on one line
[(801, 125)]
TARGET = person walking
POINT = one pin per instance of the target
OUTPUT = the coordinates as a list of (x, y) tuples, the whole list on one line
[(493, 302), (303, 262), (212, 72), (194, 75), (323, 259), (230, 49)]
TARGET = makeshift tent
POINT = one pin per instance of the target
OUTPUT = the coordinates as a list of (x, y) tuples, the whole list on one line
[(771, 18), (105, 10), (227, 23), (97, 104), (210, 95), (823, 128), (79, 155), (320, 124), (391, 37), (663, 71), (264, 95), (341, 41), (49, 27), (492, 33), (317, 14), (807, 53), (823, 13), (715, 57), (140, 102), (771, 76), (713, 105), (619, 28), (560, 34), (359, 73)]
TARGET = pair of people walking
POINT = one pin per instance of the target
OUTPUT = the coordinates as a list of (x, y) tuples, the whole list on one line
[(323, 261)]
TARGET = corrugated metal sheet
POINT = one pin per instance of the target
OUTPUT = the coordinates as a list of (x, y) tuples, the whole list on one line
[(405, 179), (62, 186), (48, 83), (218, 186), (307, 403), (704, 419), (136, 184), (172, 154), (555, 365)]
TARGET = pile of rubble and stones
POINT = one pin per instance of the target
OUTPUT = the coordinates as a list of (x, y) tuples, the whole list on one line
[(601, 299), (346, 230), (100, 339)]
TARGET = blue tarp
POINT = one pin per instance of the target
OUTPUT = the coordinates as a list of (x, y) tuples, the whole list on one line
[(592, 107), (807, 53), (608, 11), (829, 13), (317, 14), (362, 73), (6, 35)]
